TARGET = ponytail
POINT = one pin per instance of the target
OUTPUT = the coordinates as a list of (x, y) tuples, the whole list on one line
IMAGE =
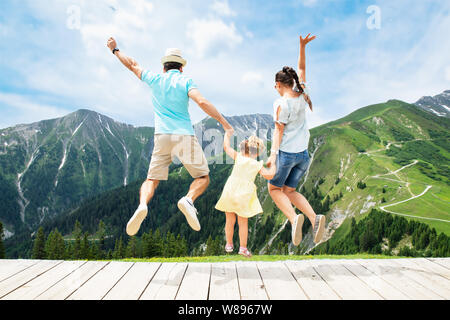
[(289, 80)]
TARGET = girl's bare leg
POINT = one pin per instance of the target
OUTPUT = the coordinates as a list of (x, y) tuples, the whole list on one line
[(229, 226), (243, 231)]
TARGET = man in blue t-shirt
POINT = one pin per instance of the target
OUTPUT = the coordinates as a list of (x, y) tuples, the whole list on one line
[(174, 134)]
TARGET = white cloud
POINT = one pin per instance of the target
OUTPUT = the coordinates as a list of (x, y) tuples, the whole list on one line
[(223, 8), (212, 36), (308, 3), (26, 110), (231, 57), (252, 78), (317, 117), (447, 73)]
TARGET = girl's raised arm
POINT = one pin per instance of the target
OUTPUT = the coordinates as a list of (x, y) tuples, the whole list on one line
[(227, 147)]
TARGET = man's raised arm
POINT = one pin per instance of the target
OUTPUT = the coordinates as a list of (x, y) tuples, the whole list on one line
[(210, 110), (128, 62)]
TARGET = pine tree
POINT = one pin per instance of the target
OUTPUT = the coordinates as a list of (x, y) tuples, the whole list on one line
[(209, 247), (131, 251), (85, 247), (39, 245), (101, 234), (218, 248), (50, 248), (158, 244), (2, 247), (94, 252), (119, 249), (68, 255), (116, 252), (181, 247), (147, 244), (170, 245), (77, 234), (59, 246), (109, 255)]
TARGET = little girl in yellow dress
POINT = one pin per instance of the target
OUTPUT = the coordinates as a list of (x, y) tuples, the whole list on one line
[(239, 198)]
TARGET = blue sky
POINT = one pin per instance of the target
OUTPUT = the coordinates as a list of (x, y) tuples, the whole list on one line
[(53, 58)]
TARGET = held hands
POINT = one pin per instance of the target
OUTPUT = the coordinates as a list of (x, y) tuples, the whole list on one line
[(229, 131), (305, 41), (112, 44), (272, 160)]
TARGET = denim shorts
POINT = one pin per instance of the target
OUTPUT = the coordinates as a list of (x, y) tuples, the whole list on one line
[(291, 167)]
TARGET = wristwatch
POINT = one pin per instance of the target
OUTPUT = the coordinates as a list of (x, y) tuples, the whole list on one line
[(114, 51), (272, 151)]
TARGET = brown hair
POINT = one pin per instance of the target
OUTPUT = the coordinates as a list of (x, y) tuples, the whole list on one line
[(172, 66), (287, 76), (252, 146)]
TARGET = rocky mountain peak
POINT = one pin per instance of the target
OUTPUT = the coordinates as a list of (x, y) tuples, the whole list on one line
[(438, 105)]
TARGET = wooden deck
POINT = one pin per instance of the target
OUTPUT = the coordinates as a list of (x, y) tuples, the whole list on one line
[(397, 279)]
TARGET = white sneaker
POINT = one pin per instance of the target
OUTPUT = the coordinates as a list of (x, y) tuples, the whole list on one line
[(297, 229), (319, 228), (187, 207), (136, 220)]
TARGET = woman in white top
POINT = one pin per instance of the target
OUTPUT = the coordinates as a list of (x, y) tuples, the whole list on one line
[(290, 148)]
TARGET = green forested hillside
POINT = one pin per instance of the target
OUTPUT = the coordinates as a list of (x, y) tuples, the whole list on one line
[(384, 233), (392, 157), (49, 166)]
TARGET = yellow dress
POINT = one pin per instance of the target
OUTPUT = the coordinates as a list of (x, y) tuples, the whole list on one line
[(239, 194)]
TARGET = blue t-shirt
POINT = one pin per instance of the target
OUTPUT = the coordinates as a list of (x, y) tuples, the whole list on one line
[(170, 101)]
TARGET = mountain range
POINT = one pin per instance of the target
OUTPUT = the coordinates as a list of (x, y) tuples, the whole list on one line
[(50, 166), (438, 105), (86, 166)]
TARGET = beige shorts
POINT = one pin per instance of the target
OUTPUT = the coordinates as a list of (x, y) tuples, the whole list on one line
[(177, 148)]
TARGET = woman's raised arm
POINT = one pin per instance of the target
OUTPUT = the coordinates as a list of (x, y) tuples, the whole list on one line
[(302, 57)]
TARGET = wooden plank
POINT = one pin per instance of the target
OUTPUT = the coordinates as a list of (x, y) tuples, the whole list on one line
[(392, 274), (38, 285), (435, 283), (279, 282), (166, 282), (250, 283), (313, 284), (195, 284), (21, 278), (9, 268), (72, 282), (383, 288), (442, 262), (437, 269), (224, 283), (346, 284), (133, 284), (103, 281)]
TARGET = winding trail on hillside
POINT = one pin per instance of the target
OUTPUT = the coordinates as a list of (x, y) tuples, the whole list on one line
[(395, 173), (407, 215)]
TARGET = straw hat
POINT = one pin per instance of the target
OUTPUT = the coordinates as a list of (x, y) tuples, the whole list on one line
[(173, 55)]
